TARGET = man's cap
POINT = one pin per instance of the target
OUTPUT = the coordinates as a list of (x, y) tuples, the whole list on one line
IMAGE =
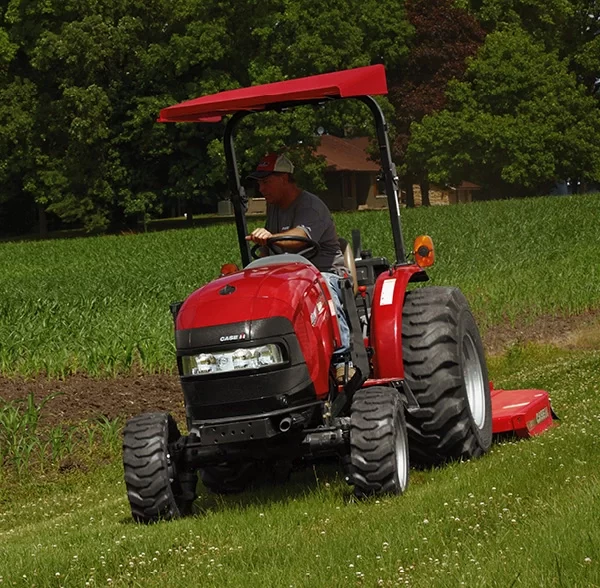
[(272, 163)]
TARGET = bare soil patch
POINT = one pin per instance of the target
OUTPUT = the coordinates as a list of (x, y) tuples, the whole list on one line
[(573, 332), (85, 398)]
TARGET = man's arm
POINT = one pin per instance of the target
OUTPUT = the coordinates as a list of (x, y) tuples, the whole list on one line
[(260, 236)]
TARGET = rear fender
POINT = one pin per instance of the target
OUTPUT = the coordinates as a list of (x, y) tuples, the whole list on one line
[(386, 319)]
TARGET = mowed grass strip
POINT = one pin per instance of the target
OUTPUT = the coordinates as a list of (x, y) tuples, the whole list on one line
[(526, 514), (101, 305)]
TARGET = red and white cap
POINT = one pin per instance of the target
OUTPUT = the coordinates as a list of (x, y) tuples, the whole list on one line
[(272, 163)]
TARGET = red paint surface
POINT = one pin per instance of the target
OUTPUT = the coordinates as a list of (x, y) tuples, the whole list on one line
[(295, 291), (386, 324), (526, 412), (359, 81)]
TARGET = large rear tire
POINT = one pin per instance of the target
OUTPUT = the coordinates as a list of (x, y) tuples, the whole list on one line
[(155, 488), (444, 366), (379, 458)]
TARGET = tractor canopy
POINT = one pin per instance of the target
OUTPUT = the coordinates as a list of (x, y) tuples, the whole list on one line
[(360, 83)]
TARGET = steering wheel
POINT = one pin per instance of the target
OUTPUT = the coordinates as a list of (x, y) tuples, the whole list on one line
[(309, 252)]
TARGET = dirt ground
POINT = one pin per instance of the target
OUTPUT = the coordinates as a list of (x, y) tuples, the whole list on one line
[(83, 398)]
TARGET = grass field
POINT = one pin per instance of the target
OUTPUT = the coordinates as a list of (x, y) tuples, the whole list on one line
[(100, 305), (524, 515), (527, 514)]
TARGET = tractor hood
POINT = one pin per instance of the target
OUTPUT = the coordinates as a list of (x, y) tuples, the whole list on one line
[(251, 294)]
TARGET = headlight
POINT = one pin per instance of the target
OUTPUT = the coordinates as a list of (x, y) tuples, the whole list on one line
[(248, 358)]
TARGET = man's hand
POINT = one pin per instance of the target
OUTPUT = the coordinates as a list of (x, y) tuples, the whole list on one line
[(259, 236)]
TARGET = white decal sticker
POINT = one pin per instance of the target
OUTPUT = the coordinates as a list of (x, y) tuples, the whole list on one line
[(387, 292), (332, 307)]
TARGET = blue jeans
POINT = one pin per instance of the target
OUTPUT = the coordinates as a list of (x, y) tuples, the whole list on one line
[(336, 293)]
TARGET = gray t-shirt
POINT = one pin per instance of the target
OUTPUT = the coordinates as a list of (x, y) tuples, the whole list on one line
[(310, 213)]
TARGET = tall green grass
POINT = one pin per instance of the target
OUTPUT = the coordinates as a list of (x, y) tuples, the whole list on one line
[(27, 448), (101, 305), (525, 515)]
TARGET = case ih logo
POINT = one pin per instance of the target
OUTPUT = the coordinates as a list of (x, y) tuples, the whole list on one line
[(226, 338)]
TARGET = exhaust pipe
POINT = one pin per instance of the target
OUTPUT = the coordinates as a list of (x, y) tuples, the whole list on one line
[(292, 421), (285, 424)]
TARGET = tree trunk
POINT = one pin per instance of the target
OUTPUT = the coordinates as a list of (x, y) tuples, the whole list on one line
[(410, 193), (189, 217), (425, 193), (42, 222)]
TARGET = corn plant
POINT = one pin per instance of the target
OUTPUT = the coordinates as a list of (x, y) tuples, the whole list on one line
[(19, 430), (110, 433), (101, 305)]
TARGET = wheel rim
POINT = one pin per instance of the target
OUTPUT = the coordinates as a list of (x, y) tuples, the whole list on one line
[(474, 384), (401, 458)]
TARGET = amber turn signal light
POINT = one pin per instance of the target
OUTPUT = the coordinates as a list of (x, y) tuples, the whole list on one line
[(423, 251), (228, 268)]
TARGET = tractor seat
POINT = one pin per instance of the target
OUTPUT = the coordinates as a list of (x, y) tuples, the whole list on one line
[(349, 262), (278, 259)]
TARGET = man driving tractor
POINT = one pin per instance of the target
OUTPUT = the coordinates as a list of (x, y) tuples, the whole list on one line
[(292, 211)]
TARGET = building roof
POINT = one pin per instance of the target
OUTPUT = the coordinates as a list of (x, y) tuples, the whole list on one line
[(346, 154), (464, 185)]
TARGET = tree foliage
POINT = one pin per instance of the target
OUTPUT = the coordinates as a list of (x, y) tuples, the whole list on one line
[(569, 27), (84, 82), (517, 123), (444, 37)]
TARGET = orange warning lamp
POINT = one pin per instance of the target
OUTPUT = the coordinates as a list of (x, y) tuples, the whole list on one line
[(228, 268), (423, 251)]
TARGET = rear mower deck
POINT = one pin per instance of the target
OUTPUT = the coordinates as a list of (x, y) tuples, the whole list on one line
[(525, 413)]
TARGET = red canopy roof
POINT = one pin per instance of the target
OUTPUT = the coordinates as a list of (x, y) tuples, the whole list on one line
[(360, 81)]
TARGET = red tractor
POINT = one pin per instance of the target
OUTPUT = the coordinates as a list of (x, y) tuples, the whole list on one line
[(255, 346)]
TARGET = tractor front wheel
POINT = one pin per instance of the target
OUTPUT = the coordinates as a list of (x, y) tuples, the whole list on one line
[(444, 366), (156, 489), (379, 458)]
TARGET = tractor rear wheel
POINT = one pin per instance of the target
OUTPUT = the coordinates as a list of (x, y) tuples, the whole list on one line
[(444, 366), (379, 458), (228, 478), (156, 489)]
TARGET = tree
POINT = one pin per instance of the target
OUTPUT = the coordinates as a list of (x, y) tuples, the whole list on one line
[(517, 124), (90, 79), (444, 37), (297, 39), (569, 27)]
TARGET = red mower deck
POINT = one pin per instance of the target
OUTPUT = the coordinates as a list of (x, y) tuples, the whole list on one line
[(524, 412)]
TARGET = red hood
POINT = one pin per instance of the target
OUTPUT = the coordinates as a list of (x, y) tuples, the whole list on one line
[(252, 294)]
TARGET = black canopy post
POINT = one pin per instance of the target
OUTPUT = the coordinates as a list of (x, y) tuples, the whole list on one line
[(235, 186), (390, 176)]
